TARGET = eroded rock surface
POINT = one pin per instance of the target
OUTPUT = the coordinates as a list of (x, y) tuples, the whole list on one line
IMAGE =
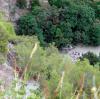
[(6, 75), (12, 12), (6, 7)]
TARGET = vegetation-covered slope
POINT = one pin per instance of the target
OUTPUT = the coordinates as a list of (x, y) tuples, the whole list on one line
[(36, 58)]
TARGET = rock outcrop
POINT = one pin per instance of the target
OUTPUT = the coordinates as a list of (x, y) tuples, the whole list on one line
[(7, 7), (6, 75), (10, 11)]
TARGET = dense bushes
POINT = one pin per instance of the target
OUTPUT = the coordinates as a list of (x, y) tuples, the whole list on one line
[(21, 3), (59, 78), (50, 64), (34, 3), (57, 3), (70, 24), (93, 59), (27, 25), (95, 34)]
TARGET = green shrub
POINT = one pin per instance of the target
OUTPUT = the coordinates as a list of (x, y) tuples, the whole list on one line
[(72, 23), (34, 3), (27, 25), (3, 41), (93, 59), (6, 32), (67, 25), (95, 34), (21, 3), (44, 62), (57, 3), (50, 64), (83, 69), (2, 57)]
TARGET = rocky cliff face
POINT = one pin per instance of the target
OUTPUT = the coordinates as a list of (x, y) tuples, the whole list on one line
[(12, 12), (6, 7)]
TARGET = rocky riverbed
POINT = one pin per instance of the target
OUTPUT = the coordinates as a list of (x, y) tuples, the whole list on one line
[(78, 51)]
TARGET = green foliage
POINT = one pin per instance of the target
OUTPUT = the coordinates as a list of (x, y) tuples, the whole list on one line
[(6, 32), (98, 9), (2, 58), (34, 3), (21, 3), (67, 25), (66, 22), (27, 25), (26, 44), (7, 27), (46, 62), (16, 92), (93, 59), (50, 64), (57, 3), (95, 34), (96, 6), (78, 22), (3, 41), (81, 69)]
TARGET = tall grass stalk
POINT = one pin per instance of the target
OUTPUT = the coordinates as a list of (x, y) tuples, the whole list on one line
[(60, 85), (94, 89), (30, 58), (81, 87)]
